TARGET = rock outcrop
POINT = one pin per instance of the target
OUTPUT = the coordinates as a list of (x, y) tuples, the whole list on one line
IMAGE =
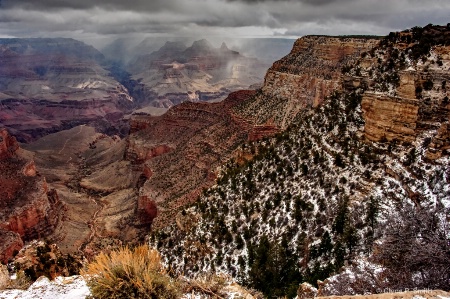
[(4, 277), (406, 87), (8, 144), (11, 244), (389, 118), (147, 210), (306, 291), (39, 258), (303, 78), (29, 209)]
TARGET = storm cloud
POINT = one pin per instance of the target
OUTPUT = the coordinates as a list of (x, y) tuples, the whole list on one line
[(95, 21)]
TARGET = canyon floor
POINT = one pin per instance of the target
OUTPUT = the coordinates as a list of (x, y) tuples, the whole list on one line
[(95, 185)]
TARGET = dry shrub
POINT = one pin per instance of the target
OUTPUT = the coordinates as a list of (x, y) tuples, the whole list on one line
[(22, 281), (213, 285), (130, 273), (209, 284)]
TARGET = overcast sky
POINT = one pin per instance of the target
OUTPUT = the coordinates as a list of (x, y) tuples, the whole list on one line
[(99, 21)]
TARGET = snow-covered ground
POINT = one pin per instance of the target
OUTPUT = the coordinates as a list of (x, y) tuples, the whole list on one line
[(73, 287)]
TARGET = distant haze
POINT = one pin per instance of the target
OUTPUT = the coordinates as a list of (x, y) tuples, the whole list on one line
[(266, 50), (101, 22)]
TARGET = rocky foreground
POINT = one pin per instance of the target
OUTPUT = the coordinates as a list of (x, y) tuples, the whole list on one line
[(75, 287)]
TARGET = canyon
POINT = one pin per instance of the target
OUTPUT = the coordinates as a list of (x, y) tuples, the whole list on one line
[(357, 122), (114, 189), (62, 98)]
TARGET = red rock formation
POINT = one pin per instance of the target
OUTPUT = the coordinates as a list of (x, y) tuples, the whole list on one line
[(146, 210), (8, 144), (183, 148), (143, 152), (260, 131), (29, 169), (28, 209), (10, 244)]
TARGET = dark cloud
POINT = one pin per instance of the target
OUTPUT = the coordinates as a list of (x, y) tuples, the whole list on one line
[(310, 2), (153, 5), (97, 20)]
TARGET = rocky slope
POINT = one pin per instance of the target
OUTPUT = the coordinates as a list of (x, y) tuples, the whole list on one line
[(176, 73), (29, 208), (181, 150), (51, 84), (361, 177)]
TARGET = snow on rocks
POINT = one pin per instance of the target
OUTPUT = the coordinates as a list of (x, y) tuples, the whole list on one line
[(73, 287)]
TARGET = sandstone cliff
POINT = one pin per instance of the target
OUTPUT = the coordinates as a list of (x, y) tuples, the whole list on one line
[(304, 78), (406, 95)]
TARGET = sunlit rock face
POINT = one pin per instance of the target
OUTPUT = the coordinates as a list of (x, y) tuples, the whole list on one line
[(304, 77)]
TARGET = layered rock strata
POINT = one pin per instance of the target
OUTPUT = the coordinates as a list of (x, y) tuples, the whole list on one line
[(400, 103), (303, 78), (47, 85), (389, 117), (182, 150), (29, 208)]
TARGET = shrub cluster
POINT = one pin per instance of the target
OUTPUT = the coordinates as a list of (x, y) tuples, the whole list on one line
[(130, 273)]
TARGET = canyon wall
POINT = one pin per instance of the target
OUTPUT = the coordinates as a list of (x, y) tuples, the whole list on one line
[(183, 149), (180, 152), (29, 209), (402, 103), (304, 77), (47, 85)]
